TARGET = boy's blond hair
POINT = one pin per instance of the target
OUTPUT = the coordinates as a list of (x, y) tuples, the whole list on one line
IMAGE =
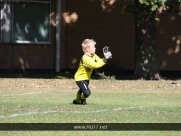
[(86, 43)]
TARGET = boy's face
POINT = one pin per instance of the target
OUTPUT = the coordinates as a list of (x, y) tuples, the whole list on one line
[(91, 49)]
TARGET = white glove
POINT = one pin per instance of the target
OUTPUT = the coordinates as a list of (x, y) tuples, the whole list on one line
[(107, 53)]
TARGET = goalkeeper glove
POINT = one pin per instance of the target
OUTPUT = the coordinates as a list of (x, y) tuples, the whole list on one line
[(107, 53)]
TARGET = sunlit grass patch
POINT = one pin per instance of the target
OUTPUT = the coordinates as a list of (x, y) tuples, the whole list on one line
[(25, 100)]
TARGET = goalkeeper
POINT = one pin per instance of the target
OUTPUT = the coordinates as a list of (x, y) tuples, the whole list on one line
[(88, 62)]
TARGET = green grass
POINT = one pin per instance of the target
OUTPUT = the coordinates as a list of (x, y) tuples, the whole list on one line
[(49, 100)]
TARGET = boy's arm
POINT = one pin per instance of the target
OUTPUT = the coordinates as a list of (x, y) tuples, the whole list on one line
[(97, 58), (89, 62), (100, 59)]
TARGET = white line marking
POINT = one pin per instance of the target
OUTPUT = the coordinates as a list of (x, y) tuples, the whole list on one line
[(23, 94), (93, 111), (16, 115), (55, 111), (28, 113), (31, 93), (127, 108), (2, 117)]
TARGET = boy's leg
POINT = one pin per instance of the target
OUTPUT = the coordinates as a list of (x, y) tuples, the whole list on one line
[(83, 85), (78, 97), (83, 99)]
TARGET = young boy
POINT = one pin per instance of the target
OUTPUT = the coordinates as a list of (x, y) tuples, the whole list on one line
[(88, 62)]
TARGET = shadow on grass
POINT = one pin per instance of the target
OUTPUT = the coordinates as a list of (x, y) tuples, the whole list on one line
[(70, 75), (37, 75), (58, 76)]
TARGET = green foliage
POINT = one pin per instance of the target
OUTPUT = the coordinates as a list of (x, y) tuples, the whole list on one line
[(152, 6), (169, 5), (103, 76), (155, 4)]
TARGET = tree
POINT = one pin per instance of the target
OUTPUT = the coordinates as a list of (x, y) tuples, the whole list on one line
[(145, 65)]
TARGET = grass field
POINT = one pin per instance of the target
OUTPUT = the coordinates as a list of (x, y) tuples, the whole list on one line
[(48, 99)]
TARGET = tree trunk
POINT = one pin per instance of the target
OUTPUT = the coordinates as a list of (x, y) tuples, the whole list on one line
[(145, 66)]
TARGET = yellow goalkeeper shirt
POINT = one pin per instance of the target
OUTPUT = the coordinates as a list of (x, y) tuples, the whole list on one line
[(86, 66)]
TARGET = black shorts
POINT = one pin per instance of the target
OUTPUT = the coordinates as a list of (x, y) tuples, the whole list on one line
[(83, 85)]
